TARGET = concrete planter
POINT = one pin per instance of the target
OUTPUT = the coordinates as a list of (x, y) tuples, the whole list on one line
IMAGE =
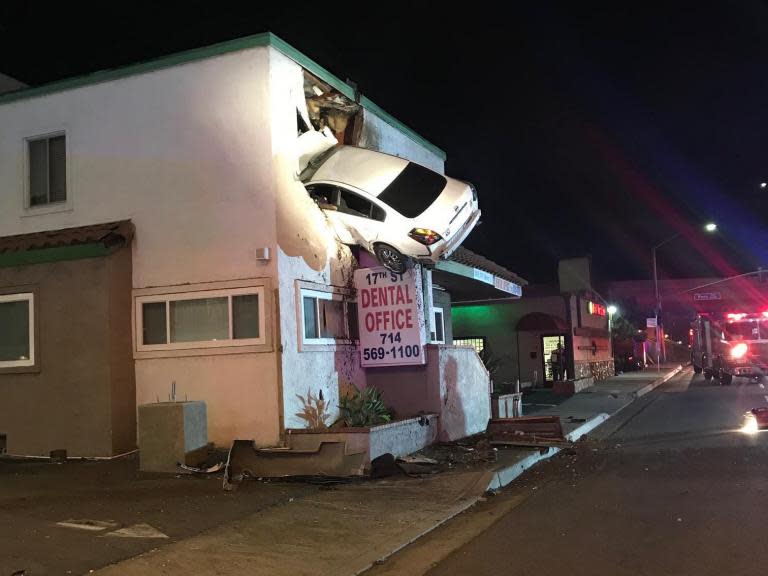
[(397, 438), (571, 387)]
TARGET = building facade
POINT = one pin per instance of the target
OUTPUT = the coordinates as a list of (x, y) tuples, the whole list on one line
[(156, 244)]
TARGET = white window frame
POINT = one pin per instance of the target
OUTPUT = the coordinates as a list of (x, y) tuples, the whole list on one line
[(331, 293), (436, 309), (30, 298), (177, 296), (51, 207), (321, 295)]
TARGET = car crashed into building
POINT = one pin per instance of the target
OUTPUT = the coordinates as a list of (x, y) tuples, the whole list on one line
[(394, 208)]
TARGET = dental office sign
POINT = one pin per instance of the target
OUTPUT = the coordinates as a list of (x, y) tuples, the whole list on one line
[(388, 317)]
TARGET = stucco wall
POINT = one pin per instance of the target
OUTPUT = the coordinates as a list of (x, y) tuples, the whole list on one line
[(453, 384), (307, 251), (498, 324), (185, 153), (378, 135), (76, 397)]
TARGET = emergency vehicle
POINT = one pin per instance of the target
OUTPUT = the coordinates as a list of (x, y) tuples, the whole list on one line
[(728, 345)]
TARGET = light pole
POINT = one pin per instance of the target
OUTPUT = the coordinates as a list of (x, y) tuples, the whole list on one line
[(708, 227), (611, 311)]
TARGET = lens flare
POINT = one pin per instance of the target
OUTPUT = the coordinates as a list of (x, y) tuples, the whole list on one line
[(750, 425)]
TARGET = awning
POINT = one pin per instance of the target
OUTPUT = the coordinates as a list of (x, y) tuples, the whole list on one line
[(65, 244), (470, 277), (541, 322)]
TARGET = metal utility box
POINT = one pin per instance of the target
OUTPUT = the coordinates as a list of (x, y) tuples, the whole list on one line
[(171, 433)]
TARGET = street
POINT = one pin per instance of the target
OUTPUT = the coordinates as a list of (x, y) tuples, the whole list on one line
[(671, 488)]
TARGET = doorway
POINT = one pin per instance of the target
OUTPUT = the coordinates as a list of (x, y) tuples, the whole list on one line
[(548, 344)]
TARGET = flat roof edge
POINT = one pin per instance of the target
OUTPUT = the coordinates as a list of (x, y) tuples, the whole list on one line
[(195, 54)]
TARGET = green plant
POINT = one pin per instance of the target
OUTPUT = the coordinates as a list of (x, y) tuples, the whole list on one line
[(314, 411), (492, 364), (363, 408)]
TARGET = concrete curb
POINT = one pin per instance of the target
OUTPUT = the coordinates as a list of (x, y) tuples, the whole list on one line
[(508, 474), (658, 382)]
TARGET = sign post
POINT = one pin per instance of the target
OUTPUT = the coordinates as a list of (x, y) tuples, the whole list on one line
[(388, 318)]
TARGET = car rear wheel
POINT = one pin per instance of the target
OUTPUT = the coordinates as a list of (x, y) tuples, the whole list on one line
[(707, 375), (696, 369), (726, 379), (391, 258)]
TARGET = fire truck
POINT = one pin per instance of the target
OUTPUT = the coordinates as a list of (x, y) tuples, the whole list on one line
[(729, 345)]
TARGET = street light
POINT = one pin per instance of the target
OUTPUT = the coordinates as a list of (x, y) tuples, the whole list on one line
[(708, 227), (611, 309)]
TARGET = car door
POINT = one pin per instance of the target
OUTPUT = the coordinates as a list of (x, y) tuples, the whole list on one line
[(355, 219), (326, 196), (361, 218)]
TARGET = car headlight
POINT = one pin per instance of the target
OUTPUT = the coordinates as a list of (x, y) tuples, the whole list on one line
[(739, 350), (425, 236), (750, 424)]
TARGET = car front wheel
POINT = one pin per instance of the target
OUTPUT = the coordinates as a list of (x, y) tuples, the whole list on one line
[(391, 258)]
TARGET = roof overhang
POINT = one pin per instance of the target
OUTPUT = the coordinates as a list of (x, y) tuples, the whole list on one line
[(469, 283)]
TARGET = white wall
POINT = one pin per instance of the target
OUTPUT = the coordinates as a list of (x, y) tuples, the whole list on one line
[(307, 251), (379, 135), (185, 153)]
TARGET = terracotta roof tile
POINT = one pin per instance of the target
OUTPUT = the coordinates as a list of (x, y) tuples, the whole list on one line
[(108, 234)]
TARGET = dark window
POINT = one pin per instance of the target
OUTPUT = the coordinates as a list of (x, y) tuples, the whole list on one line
[(414, 190), (153, 323), (324, 194), (351, 203), (47, 171), (15, 342), (245, 316)]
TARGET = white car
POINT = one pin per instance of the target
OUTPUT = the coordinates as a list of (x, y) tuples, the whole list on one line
[(393, 208)]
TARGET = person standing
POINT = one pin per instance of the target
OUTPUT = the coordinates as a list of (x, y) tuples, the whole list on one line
[(555, 361)]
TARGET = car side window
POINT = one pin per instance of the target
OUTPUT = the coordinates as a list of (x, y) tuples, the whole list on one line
[(351, 203), (324, 194)]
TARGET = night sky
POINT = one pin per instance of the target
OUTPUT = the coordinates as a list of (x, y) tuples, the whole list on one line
[(587, 128)]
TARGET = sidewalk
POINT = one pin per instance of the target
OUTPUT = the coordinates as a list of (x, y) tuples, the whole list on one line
[(346, 530)]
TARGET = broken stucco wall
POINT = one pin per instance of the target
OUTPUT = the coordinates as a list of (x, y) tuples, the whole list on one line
[(379, 135), (307, 251)]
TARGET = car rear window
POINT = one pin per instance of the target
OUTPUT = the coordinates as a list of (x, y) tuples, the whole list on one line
[(414, 190)]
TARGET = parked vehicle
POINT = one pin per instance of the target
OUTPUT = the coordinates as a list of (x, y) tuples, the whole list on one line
[(734, 345), (393, 208)]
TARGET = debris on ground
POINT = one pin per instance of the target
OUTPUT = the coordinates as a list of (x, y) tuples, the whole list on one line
[(88, 524)]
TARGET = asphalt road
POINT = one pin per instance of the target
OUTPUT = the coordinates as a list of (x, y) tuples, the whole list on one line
[(668, 486)]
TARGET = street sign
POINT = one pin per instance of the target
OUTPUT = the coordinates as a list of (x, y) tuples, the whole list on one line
[(650, 322), (706, 296), (388, 318)]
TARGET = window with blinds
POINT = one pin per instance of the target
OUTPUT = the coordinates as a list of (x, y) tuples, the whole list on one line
[(47, 170)]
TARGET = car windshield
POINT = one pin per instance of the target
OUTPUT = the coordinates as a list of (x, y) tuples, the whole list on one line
[(414, 190)]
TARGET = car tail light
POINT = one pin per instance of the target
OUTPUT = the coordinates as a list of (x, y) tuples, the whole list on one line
[(425, 236), (739, 350)]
